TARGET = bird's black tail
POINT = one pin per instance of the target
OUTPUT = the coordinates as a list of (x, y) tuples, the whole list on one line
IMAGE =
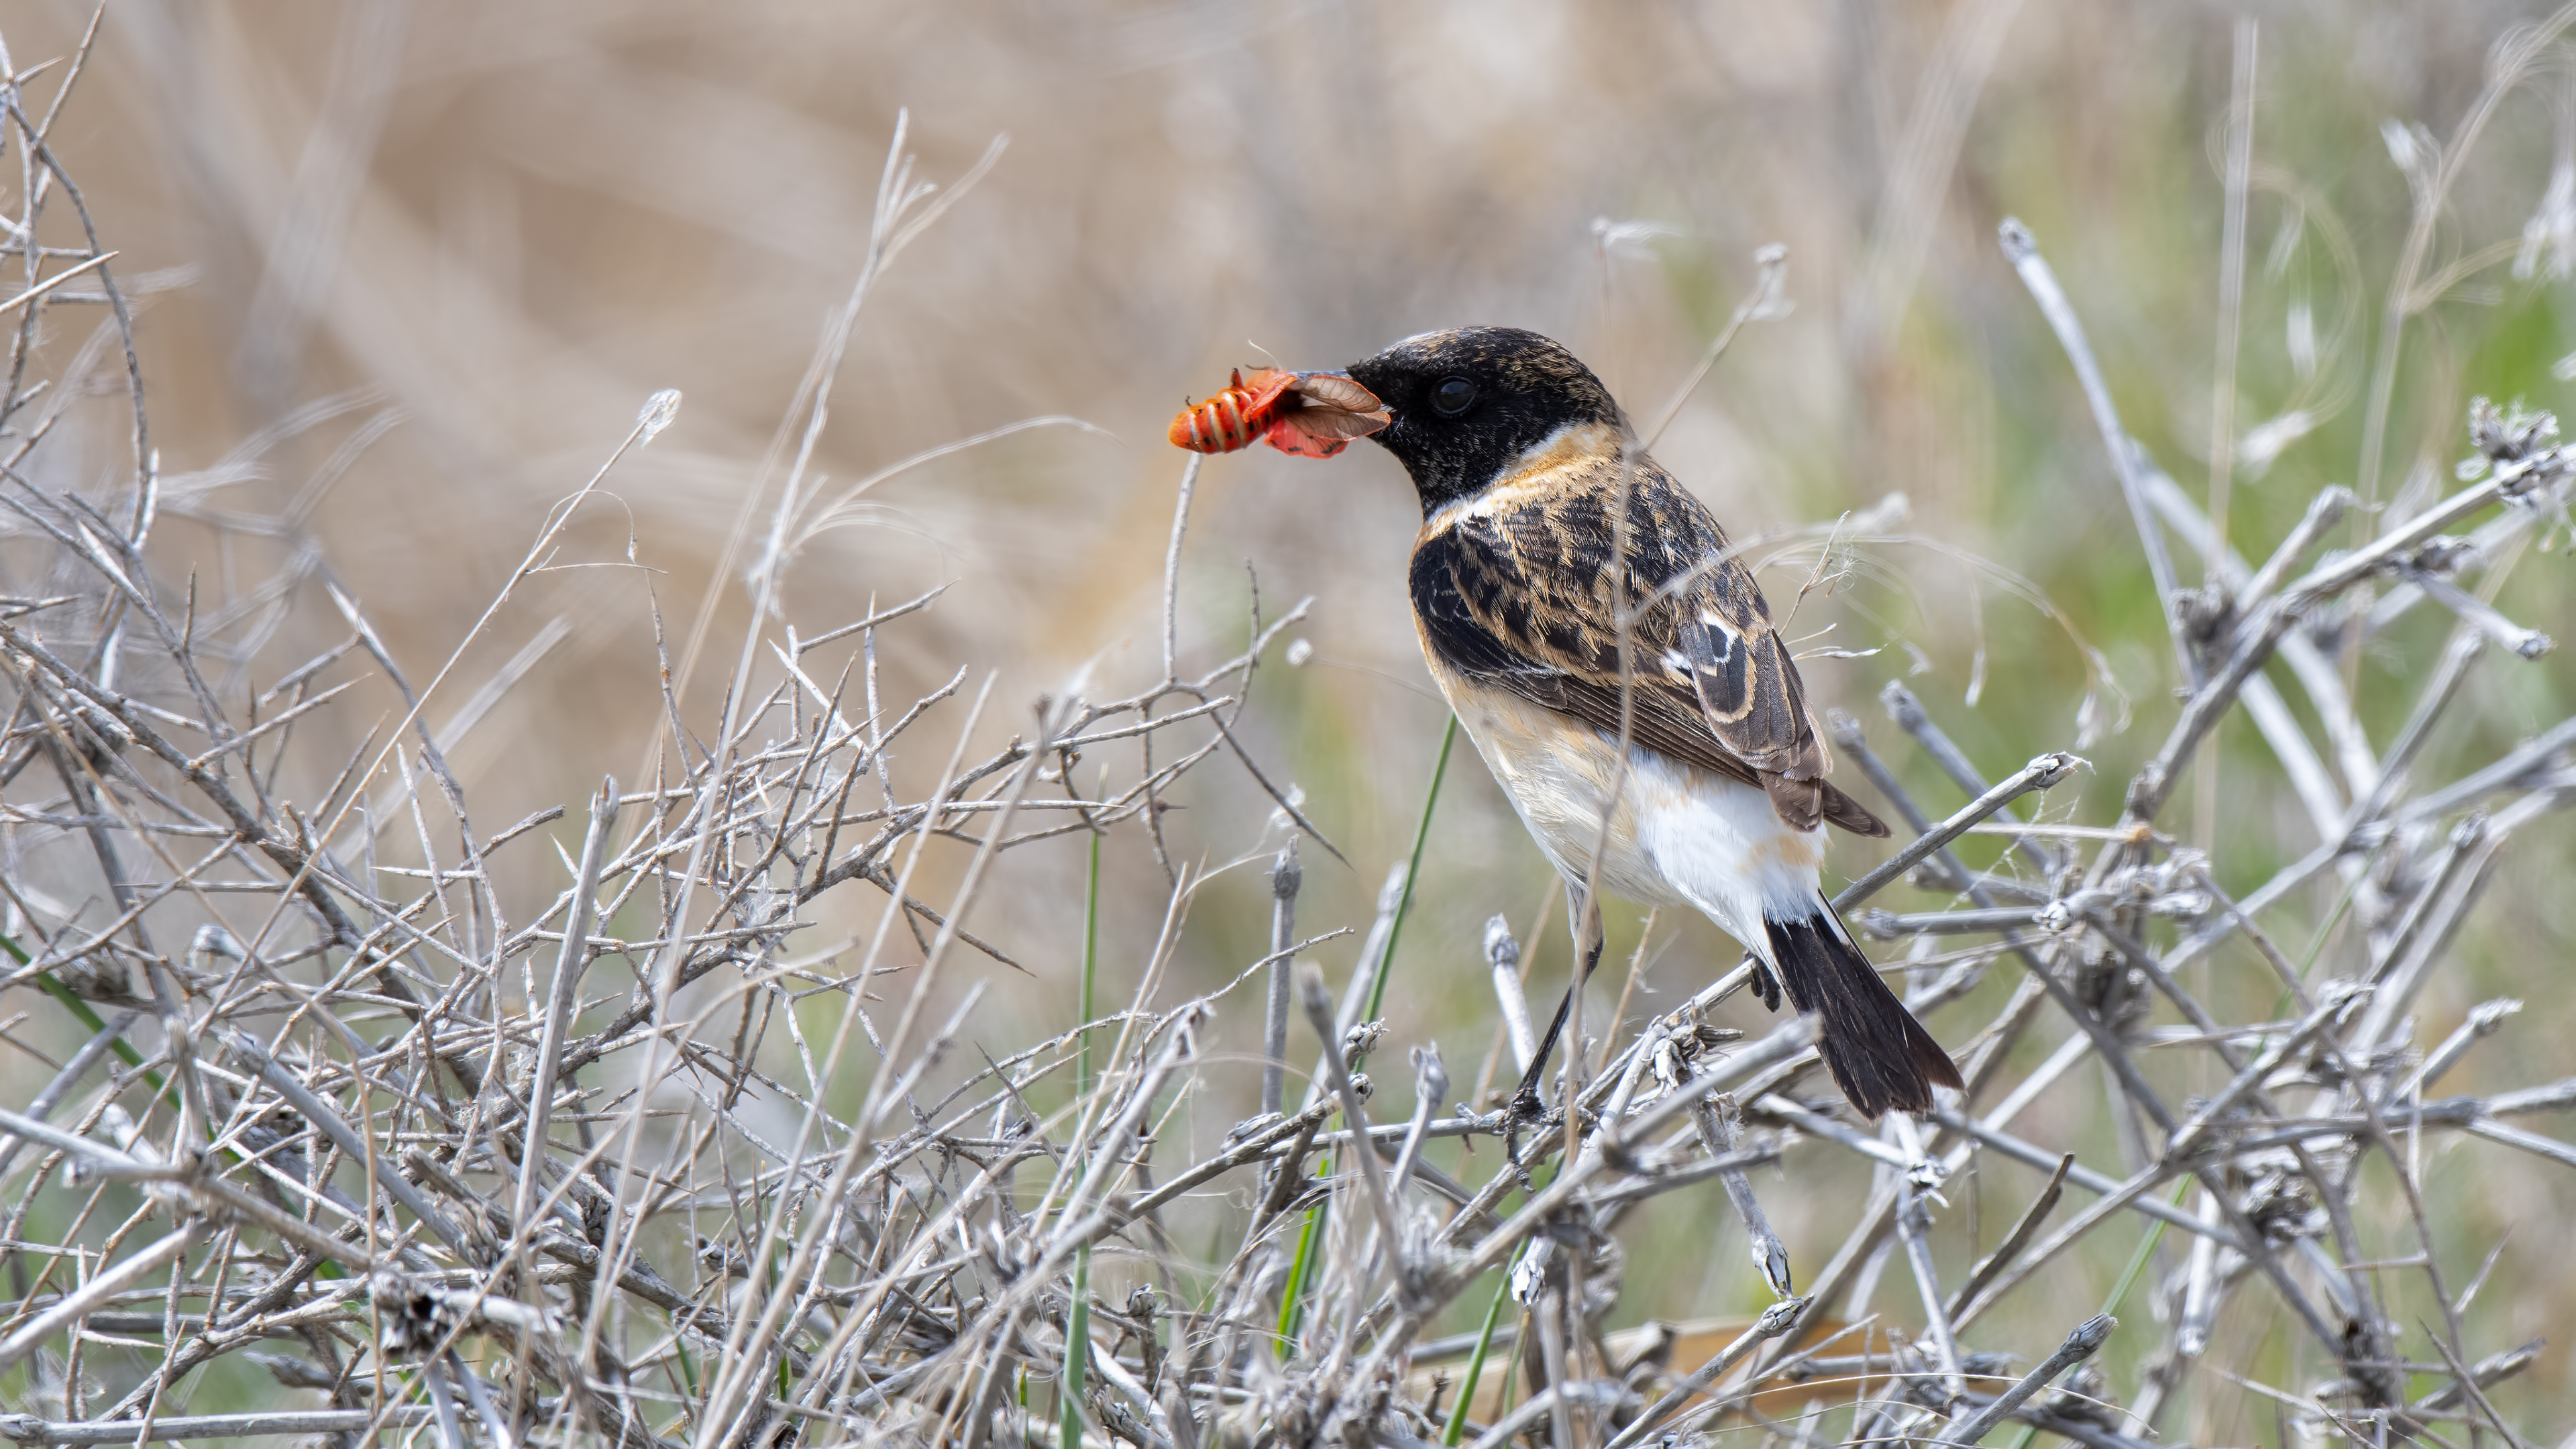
[(1879, 1054)]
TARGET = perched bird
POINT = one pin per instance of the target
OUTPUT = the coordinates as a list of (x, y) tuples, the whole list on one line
[(1518, 577)]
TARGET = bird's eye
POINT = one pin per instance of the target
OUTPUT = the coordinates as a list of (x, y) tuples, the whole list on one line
[(1451, 398)]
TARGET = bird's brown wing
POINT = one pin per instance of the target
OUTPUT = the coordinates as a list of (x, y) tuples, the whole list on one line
[(1518, 596)]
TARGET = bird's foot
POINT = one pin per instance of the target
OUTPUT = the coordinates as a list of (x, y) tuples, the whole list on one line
[(1766, 987)]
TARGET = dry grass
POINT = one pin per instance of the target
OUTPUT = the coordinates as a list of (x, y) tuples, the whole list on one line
[(306, 594)]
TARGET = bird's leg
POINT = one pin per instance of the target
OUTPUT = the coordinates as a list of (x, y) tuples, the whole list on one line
[(1588, 937), (1526, 1103)]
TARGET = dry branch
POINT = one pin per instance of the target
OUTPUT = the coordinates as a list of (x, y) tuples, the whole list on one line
[(512, 1147)]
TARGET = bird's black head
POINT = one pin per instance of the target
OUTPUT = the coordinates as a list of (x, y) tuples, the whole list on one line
[(1470, 402)]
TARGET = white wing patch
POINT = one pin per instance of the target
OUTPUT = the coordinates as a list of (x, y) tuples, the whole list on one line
[(1725, 631)]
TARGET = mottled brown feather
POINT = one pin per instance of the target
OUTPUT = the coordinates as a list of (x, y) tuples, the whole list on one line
[(1515, 590)]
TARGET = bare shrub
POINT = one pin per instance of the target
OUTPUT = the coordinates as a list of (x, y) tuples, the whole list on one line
[(338, 1117)]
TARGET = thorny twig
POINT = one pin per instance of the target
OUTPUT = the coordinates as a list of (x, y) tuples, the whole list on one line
[(578, 1171)]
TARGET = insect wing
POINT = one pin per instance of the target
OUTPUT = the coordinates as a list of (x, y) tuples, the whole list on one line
[(1335, 391), (1260, 391), (1329, 411), (1320, 432), (1295, 436)]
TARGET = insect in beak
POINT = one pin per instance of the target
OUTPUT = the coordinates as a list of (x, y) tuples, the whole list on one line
[(1308, 414)]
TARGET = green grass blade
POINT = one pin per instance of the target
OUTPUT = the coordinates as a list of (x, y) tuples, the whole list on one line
[(1077, 1352), (2120, 1290), (1292, 1301), (2146, 1248), (87, 1016), (80, 1010), (1476, 1364), (1412, 871)]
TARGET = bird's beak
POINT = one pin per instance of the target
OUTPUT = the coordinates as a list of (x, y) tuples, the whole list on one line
[(1360, 372)]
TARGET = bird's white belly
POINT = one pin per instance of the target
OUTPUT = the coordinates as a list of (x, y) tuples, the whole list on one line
[(1677, 835)]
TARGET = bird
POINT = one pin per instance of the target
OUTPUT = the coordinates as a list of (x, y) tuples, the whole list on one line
[(1518, 577)]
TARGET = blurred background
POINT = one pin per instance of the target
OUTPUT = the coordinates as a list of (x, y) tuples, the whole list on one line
[(409, 270)]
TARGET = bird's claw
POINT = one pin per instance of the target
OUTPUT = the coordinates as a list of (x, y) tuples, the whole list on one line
[(1766, 987)]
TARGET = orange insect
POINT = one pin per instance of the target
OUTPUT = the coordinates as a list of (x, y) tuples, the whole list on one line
[(1309, 414)]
